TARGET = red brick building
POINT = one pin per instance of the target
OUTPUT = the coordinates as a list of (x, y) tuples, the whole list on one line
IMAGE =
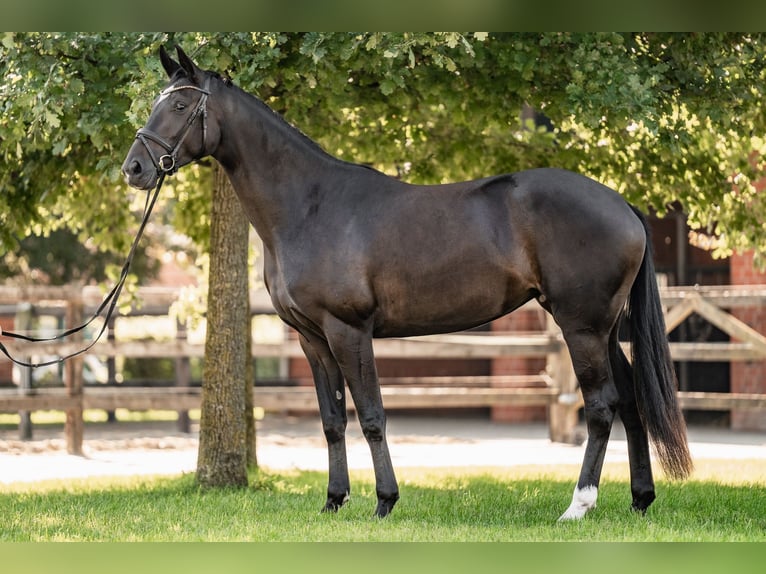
[(748, 376)]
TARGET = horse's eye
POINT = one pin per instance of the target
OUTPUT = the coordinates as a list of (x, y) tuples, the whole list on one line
[(180, 106)]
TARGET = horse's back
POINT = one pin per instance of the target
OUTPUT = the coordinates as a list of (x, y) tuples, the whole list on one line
[(565, 210), (555, 193)]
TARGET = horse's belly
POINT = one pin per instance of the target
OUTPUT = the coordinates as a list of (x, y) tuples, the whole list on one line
[(445, 308)]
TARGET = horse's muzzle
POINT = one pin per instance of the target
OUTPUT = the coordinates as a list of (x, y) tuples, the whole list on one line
[(139, 175)]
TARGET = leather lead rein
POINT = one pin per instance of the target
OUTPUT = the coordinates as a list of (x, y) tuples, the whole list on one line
[(166, 165)]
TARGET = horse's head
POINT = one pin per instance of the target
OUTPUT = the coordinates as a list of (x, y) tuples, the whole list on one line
[(178, 130)]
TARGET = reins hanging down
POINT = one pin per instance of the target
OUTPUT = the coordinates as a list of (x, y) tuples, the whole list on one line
[(166, 164), (109, 301)]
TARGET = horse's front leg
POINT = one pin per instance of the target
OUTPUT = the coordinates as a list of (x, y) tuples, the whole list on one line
[(352, 347), (331, 396)]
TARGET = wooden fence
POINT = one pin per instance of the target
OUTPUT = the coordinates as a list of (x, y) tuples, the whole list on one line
[(555, 388)]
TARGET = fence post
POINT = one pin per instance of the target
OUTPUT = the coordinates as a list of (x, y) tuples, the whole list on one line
[(22, 323), (183, 377), (562, 414), (73, 381)]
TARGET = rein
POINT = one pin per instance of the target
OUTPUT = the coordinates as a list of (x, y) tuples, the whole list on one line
[(166, 164), (110, 300)]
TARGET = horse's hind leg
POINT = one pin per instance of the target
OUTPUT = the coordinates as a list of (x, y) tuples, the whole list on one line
[(641, 481), (352, 347), (331, 395), (591, 365)]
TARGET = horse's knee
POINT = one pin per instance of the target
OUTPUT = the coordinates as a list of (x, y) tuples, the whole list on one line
[(374, 432), (334, 432), (374, 428)]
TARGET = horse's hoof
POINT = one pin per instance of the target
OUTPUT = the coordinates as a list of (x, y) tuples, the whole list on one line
[(335, 502), (641, 503), (330, 507), (385, 506)]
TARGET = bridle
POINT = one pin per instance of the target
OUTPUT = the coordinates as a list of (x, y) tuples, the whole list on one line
[(167, 164)]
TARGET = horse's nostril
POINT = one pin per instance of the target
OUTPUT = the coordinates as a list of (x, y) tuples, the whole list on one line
[(132, 168)]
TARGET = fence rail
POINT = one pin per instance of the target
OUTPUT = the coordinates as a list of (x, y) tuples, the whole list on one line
[(555, 388)]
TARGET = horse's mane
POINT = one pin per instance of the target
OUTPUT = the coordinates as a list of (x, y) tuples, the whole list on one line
[(228, 83), (272, 113)]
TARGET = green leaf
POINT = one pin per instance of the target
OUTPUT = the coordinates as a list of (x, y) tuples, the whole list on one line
[(60, 146), (52, 119), (8, 40), (387, 87)]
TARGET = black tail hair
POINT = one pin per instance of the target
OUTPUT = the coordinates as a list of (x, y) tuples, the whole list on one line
[(654, 378)]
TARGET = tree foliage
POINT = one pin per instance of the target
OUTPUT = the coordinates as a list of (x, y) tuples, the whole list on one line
[(661, 117), (62, 125), (62, 104), (60, 258)]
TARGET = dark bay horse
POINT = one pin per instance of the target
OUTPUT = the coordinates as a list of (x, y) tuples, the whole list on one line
[(352, 254)]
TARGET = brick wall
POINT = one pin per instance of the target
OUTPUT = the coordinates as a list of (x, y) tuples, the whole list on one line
[(525, 319), (6, 367), (748, 376)]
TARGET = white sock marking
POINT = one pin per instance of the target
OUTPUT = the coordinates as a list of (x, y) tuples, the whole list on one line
[(583, 500)]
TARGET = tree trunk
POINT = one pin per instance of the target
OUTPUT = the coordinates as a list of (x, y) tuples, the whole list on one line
[(252, 461), (223, 441)]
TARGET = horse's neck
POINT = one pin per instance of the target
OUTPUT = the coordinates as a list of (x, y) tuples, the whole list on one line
[(267, 162)]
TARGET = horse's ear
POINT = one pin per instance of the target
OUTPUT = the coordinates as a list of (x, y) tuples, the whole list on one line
[(189, 67), (170, 65)]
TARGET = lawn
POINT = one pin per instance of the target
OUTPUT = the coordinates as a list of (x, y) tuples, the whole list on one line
[(444, 505)]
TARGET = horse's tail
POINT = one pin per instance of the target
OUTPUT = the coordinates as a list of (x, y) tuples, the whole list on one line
[(653, 374)]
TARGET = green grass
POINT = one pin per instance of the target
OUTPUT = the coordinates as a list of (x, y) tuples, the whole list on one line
[(436, 505)]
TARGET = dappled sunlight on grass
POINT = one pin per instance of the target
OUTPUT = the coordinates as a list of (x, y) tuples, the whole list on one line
[(745, 471), (734, 472), (478, 504)]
